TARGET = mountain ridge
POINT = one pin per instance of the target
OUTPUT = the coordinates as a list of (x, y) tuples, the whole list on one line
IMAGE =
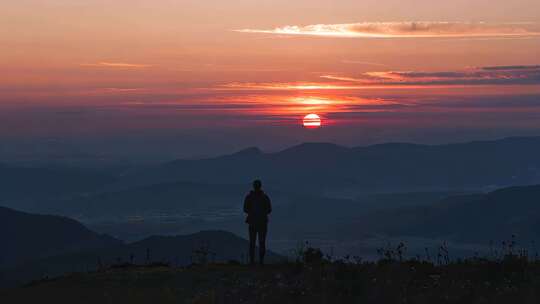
[(396, 167)]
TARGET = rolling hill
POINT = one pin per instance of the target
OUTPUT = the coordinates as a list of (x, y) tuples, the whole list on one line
[(25, 237), (480, 218)]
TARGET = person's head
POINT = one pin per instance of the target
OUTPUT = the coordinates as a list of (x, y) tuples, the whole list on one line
[(257, 185)]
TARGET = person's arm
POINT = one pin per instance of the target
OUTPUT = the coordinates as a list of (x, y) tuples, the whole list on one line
[(247, 204), (269, 203)]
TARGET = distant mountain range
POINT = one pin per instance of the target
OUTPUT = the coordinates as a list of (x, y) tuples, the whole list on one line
[(314, 168), (320, 167), (475, 218)]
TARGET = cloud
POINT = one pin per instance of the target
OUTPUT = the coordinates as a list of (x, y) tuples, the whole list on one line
[(512, 67), (487, 76), (421, 29), (284, 86), (119, 90), (117, 65), (491, 75)]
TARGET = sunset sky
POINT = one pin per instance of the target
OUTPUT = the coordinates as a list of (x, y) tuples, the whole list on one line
[(182, 78)]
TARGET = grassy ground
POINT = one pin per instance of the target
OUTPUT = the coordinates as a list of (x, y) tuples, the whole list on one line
[(313, 278), (512, 280)]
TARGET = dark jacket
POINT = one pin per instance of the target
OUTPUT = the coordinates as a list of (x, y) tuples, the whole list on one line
[(257, 206)]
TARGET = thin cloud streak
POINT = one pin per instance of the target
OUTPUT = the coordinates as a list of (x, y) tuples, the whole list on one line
[(282, 109), (420, 29), (313, 86), (495, 75), (264, 106), (490, 76), (118, 65)]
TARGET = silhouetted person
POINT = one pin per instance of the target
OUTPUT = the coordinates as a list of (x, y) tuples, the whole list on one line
[(257, 206)]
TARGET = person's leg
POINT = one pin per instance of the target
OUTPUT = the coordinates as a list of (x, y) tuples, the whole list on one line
[(262, 242), (252, 241)]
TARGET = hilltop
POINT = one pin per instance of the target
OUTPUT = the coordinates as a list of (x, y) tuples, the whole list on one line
[(313, 280), (25, 237)]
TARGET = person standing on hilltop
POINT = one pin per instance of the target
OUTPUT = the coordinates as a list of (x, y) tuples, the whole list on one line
[(257, 205)]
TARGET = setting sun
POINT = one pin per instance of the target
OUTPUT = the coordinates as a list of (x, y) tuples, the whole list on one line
[(312, 121)]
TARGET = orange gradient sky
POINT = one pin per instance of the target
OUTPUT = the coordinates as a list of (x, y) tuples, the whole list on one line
[(86, 72)]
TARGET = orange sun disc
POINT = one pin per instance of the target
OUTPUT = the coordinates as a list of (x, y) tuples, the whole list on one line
[(312, 121)]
